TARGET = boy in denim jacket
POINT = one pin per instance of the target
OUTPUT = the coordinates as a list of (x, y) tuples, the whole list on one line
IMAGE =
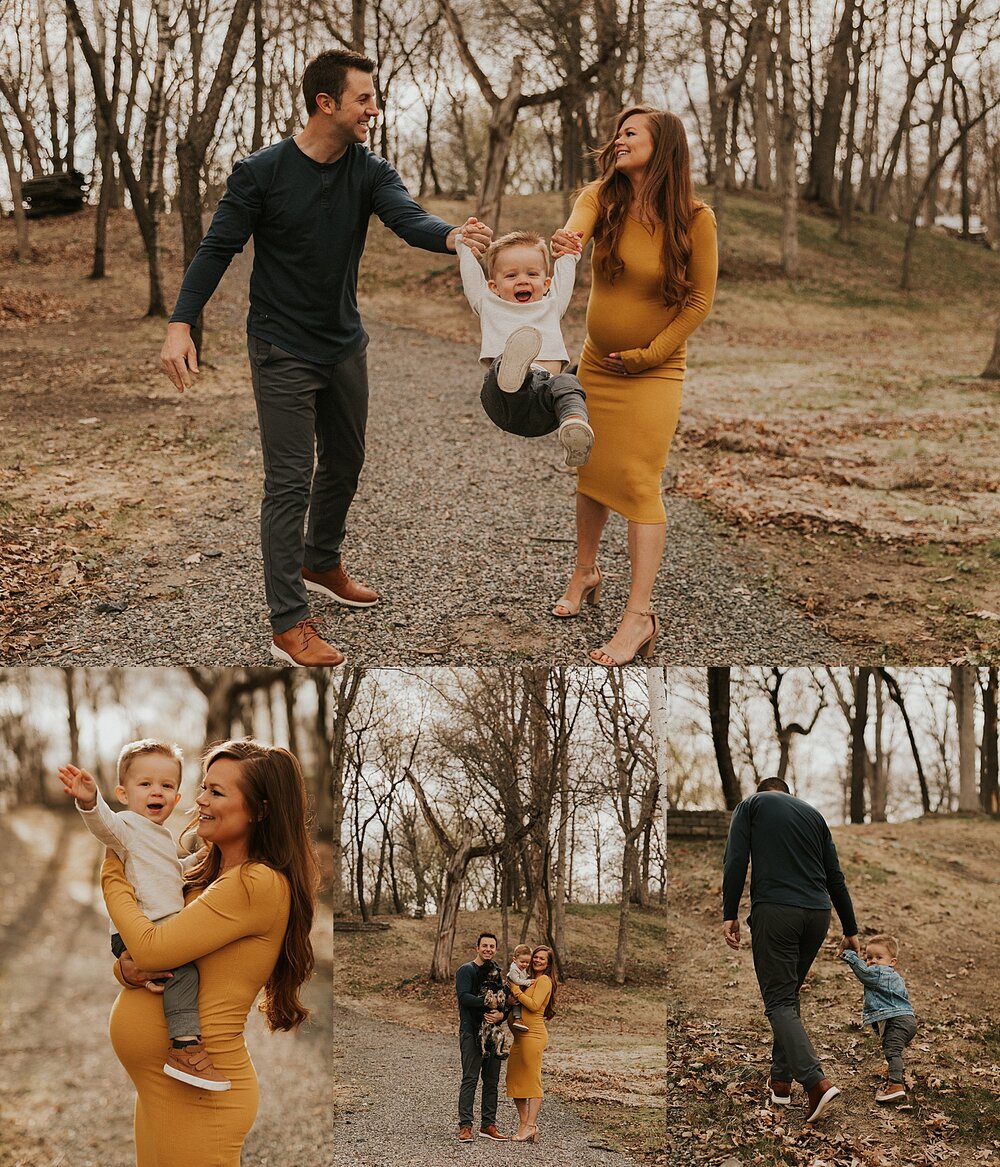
[(886, 1009)]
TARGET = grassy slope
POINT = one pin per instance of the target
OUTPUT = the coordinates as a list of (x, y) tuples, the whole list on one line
[(933, 883), (606, 1045)]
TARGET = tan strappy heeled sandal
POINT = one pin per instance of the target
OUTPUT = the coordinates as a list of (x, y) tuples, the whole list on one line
[(591, 595)]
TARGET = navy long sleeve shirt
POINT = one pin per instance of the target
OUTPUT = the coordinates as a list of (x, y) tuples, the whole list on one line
[(309, 221), (791, 855)]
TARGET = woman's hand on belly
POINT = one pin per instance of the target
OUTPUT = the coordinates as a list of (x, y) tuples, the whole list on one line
[(614, 364)]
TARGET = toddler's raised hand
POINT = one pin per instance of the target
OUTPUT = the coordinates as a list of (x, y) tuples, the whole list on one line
[(566, 242), (80, 785)]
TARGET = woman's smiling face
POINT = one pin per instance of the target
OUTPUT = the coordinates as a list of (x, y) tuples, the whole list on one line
[(223, 815), (540, 962)]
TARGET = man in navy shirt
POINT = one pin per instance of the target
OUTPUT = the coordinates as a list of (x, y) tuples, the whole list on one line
[(795, 879), (475, 1065), (306, 202)]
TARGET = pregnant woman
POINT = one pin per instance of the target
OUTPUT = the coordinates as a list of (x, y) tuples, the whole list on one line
[(249, 908), (524, 1066), (655, 264)]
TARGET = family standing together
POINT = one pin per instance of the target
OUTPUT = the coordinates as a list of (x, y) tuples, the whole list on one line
[(306, 203), (523, 1000)]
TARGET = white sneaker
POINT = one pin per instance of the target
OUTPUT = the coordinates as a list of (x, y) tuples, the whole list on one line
[(577, 440), (523, 345)]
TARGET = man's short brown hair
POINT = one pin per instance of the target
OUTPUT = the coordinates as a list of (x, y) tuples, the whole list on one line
[(327, 73), (516, 239)]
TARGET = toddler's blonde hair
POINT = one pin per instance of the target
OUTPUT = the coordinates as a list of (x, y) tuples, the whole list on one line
[(147, 745), (884, 940), (516, 239), (521, 948)]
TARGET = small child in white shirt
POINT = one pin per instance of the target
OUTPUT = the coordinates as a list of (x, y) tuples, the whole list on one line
[(518, 973), (526, 390), (149, 784)]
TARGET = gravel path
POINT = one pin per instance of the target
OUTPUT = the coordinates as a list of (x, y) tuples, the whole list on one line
[(66, 1101), (400, 1088), (466, 531)]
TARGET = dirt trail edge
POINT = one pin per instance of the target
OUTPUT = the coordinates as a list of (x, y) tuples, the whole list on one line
[(466, 531), (399, 1090)]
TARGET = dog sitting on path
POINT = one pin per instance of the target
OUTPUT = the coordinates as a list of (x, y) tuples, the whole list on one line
[(493, 1036)]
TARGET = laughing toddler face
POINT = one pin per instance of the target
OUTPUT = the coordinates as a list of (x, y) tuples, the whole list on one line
[(151, 786)]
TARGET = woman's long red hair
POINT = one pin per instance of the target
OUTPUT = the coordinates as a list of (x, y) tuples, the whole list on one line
[(274, 790), (550, 972), (667, 191)]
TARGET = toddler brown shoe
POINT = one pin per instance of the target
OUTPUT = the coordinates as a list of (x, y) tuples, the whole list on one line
[(193, 1066)]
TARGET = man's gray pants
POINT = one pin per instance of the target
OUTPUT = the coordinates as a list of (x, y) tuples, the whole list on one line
[(180, 996), (474, 1067), (312, 435), (785, 941), (897, 1033)]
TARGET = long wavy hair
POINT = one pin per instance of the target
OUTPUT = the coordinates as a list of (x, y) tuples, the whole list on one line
[(550, 972), (272, 786), (666, 190)]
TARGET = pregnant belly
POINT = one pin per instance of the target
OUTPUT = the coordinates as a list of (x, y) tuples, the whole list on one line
[(138, 1032)]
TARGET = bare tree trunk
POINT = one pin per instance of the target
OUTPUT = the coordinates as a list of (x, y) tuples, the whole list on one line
[(859, 753), (145, 220), (22, 242), (763, 61), (50, 91), (718, 710), (257, 137), (897, 696), (787, 135), (963, 692), (992, 370), (28, 136), (823, 159), (358, 15), (70, 98), (879, 791), (989, 770), (197, 137)]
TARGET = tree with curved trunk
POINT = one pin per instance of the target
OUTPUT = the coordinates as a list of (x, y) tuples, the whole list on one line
[(144, 215), (719, 683), (504, 110), (459, 853), (193, 145)]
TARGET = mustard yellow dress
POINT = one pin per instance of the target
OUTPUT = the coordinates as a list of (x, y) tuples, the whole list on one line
[(233, 931), (634, 417), (524, 1065)]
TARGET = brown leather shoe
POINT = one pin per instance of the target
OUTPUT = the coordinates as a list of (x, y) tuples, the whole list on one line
[(337, 585), (820, 1098), (302, 645), (781, 1092), (465, 1134), (491, 1132), (193, 1066)]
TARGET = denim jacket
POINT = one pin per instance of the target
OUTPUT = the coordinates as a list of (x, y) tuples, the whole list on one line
[(885, 990)]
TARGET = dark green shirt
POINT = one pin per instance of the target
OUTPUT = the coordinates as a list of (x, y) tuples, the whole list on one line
[(309, 221), (791, 855)]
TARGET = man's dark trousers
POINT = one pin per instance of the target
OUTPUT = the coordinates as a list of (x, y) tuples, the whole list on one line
[(785, 941), (304, 407), (474, 1066)]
